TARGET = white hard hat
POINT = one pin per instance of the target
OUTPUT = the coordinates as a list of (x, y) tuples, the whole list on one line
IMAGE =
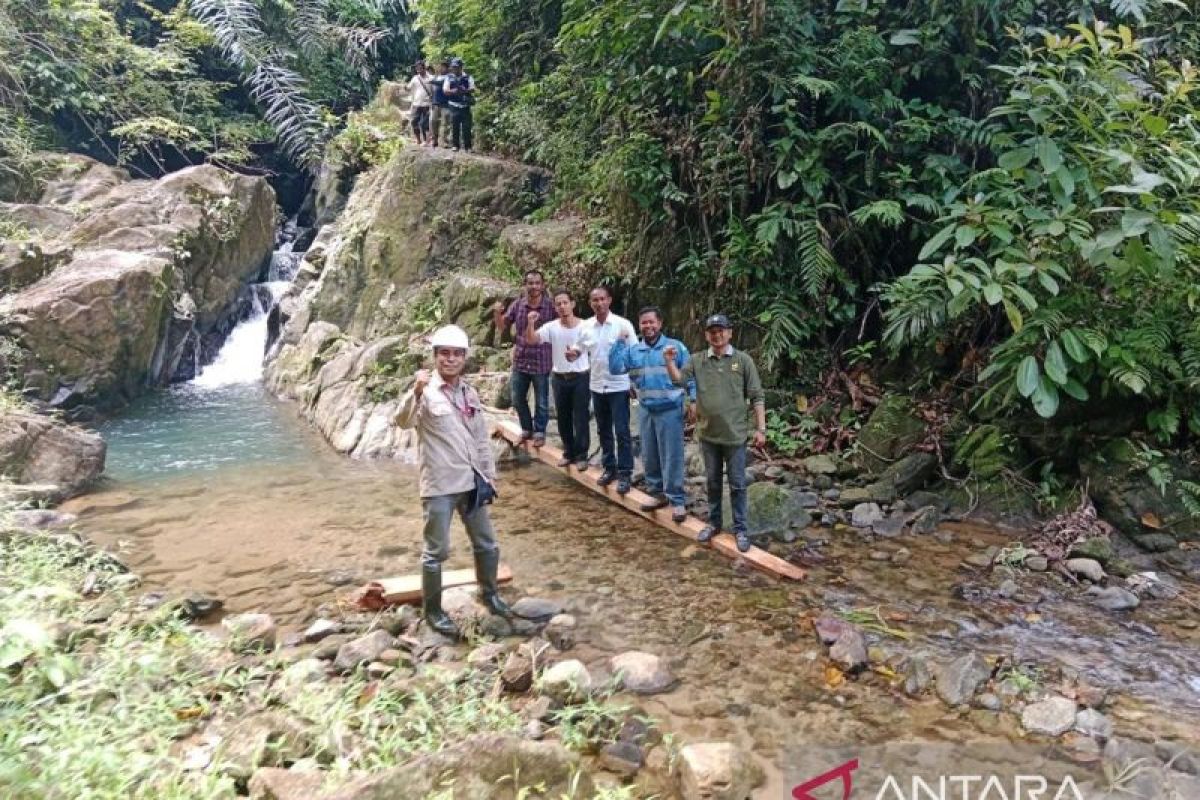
[(450, 336)]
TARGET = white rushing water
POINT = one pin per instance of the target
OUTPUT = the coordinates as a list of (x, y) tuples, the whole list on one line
[(241, 357)]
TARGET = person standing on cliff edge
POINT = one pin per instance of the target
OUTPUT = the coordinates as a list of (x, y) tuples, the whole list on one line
[(457, 473), (532, 363)]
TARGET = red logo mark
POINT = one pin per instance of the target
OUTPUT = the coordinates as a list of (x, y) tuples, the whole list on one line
[(801, 792)]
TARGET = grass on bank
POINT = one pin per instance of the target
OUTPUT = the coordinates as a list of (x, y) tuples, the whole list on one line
[(92, 711)]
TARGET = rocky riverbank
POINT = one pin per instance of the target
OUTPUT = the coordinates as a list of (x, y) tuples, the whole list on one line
[(355, 706)]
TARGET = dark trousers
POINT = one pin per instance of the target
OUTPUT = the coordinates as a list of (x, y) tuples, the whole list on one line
[(612, 422), (571, 397), (519, 385), (420, 123), (729, 459), (460, 127)]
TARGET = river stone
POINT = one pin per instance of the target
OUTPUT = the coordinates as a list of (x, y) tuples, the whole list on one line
[(909, 473), (850, 650), (486, 657), (517, 673), (865, 515), (361, 650), (196, 605), (1037, 563), (1087, 568), (1091, 722), (249, 632), (1052, 717), (37, 449), (642, 673), (560, 631), (475, 768), (820, 465), (320, 629), (1112, 598), (959, 679), (536, 608), (807, 499), (717, 771), (622, 757), (829, 628), (917, 675), (1098, 549), (275, 783), (890, 526), (566, 682), (265, 739)]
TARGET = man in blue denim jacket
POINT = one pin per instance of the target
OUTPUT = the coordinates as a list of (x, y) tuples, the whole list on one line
[(660, 409)]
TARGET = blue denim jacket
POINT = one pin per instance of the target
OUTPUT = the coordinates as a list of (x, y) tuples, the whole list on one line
[(648, 372)]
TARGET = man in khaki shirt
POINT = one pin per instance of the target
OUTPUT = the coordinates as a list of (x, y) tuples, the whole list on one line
[(457, 473)]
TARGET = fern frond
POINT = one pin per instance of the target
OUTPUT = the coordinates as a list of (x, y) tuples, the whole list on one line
[(887, 213), (817, 265)]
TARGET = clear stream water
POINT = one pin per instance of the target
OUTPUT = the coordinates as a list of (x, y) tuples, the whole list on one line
[(215, 485)]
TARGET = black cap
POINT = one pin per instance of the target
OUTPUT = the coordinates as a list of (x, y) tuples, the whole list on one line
[(717, 321), (456, 62)]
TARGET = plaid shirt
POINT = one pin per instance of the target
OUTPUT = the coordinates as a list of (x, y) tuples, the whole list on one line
[(535, 359)]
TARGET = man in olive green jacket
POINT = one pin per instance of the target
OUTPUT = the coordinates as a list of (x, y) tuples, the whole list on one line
[(726, 383)]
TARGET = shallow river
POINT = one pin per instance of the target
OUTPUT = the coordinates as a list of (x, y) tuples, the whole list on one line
[(225, 490)]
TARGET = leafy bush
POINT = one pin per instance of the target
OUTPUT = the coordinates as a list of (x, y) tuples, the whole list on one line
[(1078, 254)]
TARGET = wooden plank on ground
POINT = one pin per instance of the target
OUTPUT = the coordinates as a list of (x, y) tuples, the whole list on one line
[(406, 589), (689, 528)]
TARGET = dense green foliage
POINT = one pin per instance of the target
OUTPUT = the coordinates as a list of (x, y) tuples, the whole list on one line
[(162, 84), (793, 160)]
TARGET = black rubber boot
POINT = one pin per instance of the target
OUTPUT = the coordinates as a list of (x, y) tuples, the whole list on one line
[(431, 604), (487, 564)]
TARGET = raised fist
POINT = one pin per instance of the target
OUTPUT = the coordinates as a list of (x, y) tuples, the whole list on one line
[(423, 377), (572, 353), (498, 306), (670, 352), (533, 318)]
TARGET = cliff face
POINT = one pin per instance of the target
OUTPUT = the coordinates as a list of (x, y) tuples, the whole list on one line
[(403, 256), (108, 281)]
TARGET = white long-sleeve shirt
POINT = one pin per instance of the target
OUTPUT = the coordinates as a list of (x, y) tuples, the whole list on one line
[(596, 339)]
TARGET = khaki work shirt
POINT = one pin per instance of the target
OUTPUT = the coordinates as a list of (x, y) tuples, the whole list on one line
[(453, 438)]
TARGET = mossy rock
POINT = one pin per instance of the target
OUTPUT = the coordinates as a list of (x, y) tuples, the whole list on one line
[(890, 432), (774, 511)]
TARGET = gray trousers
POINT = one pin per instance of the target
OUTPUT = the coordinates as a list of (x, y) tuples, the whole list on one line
[(438, 512)]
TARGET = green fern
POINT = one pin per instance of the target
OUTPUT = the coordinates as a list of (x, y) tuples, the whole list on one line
[(887, 213), (817, 265)]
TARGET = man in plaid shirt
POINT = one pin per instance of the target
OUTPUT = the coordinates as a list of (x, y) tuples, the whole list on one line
[(531, 362)]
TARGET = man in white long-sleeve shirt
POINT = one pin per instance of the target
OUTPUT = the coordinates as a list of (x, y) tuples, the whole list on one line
[(610, 393), (420, 95), (457, 473)]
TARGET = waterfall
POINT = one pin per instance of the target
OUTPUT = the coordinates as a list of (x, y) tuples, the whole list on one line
[(241, 357), (240, 360)]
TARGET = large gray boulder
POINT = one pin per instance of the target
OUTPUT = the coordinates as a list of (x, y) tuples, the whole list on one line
[(119, 281), (408, 247), (35, 449)]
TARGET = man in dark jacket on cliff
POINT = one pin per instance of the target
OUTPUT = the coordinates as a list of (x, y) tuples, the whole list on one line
[(460, 93)]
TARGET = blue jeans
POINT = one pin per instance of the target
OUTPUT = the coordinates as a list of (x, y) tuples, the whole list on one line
[(438, 512), (730, 459), (519, 386), (662, 452), (612, 416), (571, 396)]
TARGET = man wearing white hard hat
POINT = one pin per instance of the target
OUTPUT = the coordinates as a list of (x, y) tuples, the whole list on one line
[(458, 473)]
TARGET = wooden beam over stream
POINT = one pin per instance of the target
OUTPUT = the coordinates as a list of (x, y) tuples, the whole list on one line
[(689, 529)]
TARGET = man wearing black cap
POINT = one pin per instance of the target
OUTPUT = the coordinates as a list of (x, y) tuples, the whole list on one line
[(440, 109), (726, 382), (460, 92)]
